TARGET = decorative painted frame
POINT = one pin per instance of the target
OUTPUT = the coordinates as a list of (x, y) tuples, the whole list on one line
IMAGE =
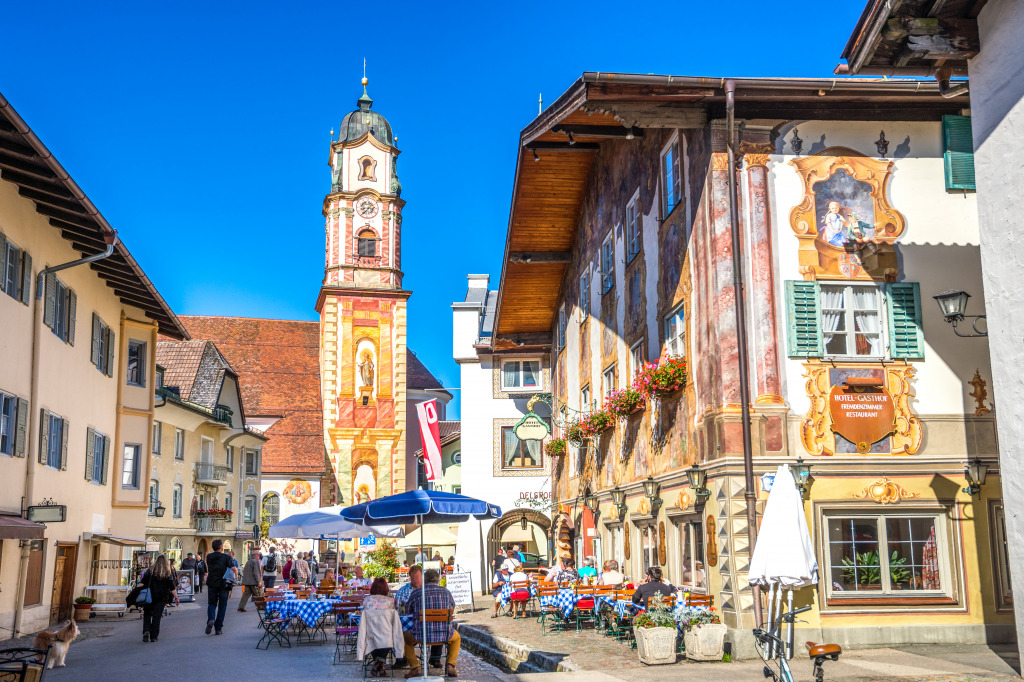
[(874, 259), (816, 427), (545, 375), (499, 471)]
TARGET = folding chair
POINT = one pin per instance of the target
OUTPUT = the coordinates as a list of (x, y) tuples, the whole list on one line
[(275, 630), (586, 606), (434, 616), (346, 634), (520, 597), (24, 663), (549, 611), (622, 626), (603, 612)]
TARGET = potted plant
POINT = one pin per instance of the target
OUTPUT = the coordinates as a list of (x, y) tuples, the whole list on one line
[(575, 433), (555, 447), (865, 571), (624, 403), (597, 421), (703, 633), (656, 380), (655, 632), (83, 608)]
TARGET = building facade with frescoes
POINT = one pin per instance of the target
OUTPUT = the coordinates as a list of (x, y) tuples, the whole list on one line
[(850, 217)]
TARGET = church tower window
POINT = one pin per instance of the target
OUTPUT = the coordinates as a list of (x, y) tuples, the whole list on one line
[(366, 246)]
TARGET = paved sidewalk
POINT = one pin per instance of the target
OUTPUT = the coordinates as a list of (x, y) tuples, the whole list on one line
[(594, 656)]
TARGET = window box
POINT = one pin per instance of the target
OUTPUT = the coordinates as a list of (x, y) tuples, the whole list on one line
[(662, 379)]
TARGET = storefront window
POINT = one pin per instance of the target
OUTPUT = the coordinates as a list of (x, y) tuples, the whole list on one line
[(885, 554)]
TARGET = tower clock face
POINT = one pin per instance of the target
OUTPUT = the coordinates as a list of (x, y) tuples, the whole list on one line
[(367, 208)]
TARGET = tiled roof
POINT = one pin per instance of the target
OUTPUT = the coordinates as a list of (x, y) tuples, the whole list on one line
[(418, 376), (196, 368), (449, 432), (278, 368)]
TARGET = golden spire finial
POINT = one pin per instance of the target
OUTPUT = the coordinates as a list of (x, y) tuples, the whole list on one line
[(366, 81)]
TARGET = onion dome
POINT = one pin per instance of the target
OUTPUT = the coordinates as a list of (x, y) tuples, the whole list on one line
[(358, 122)]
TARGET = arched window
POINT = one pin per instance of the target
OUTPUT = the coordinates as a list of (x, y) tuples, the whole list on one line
[(272, 507), (174, 550), (367, 244)]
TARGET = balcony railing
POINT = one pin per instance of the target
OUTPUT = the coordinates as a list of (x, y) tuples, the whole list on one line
[(211, 474), (223, 414), (209, 526)]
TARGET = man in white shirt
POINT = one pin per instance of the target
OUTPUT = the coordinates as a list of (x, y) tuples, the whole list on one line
[(511, 563), (359, 580)]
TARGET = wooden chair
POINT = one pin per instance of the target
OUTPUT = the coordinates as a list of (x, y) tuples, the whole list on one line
[(433, 616), (622, 626), (549, 612), (602, 611), (586, 606), (326, 591), (520, 597), (707, 600)]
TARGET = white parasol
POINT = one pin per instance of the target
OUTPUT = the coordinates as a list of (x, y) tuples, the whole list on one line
[(783, 556), (328, 522)]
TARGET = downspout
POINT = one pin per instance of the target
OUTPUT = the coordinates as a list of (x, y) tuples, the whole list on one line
[(942, 76), (37, 313), (749, 494)]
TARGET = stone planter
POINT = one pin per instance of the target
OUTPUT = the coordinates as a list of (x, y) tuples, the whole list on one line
[(705, 642), (656, 646), (82, 612)]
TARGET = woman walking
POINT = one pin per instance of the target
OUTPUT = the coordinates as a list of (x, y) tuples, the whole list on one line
[(162, 589)]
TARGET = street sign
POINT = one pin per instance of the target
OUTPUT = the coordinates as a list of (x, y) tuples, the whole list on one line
[(368, 540), (766, 482)]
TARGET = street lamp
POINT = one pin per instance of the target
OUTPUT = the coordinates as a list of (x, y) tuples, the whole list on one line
[(619, 501), (975, 472), (953, 304), (698, 479), (523, 521), (159, 510), (802, 475), (651, 489), (590, 502)]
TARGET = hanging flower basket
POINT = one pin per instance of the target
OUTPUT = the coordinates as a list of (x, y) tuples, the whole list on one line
[(555, 447), (575, 433), (624, 403), (662, 378), (596, 422)]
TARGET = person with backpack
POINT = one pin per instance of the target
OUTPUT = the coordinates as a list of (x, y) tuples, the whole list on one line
[(270, 564), (222, 577)]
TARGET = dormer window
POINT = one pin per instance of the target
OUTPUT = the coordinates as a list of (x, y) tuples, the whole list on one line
[(366, 246)]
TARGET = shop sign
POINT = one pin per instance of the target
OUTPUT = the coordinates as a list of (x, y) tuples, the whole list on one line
[(243, 535), (862, 414), (537, 495), (531, 427)]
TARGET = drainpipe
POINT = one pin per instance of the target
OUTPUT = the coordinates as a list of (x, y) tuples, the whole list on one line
[(749, 495), (111, 239), (942, 76)]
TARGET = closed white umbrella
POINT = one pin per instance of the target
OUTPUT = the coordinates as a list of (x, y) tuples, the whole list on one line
[(783, 556), (328, 522)]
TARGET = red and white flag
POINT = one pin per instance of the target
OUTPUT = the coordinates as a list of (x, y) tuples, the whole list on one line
[(431, 437)]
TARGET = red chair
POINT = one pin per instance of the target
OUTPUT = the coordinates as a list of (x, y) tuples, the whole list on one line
[(520, 597)]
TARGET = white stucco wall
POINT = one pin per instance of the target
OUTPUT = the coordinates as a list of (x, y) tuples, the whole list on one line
[(997, 109)]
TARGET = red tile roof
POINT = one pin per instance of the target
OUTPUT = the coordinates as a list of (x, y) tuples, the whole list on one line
[(278, 367)]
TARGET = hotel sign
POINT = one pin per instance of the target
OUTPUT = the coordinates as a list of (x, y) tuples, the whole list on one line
[(862, 414)]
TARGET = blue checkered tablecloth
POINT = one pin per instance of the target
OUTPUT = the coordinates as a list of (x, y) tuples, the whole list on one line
[(623, 607), (565, 601), (308, 611), (506, 592)]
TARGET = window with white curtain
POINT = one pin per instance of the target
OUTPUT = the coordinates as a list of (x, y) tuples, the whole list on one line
[(851, 320), (520, 375), (519, 454)]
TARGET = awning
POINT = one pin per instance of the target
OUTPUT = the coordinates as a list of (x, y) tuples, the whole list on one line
[(114, 539), (17, 528)]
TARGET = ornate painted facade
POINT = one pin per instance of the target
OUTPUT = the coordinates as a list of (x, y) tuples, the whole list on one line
[(362, 310)]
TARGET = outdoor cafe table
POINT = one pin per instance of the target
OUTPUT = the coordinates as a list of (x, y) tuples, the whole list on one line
[(622, 607), (309, 612), (506, 592), (564, 602)]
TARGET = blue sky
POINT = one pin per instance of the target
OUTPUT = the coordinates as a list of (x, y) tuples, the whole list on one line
[(201, 130)]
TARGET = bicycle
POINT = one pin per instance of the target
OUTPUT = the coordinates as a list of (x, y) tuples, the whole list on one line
[(771, 648)]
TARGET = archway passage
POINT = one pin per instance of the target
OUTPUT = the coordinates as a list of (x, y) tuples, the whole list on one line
[(533, 539)]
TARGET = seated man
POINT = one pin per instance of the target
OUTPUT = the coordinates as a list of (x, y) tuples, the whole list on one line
[(611, 574), (433, 596), (652, 584), (329, 582), (500, 578), (588, 570), (359, 580)]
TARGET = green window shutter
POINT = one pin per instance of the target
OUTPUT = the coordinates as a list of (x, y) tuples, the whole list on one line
[(51, 297), (26, 278), (110, 352), (90, 452), (905, 337), (803, 328), (21, 431), (3, 262), (106, 458), (72, 315), (44, 434), (958, 152), (94, 349), (64, 444)]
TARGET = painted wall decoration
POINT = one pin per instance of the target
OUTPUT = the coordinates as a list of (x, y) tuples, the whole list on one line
[(635, 316), (817, 430), (662, 554), (884, 491), (297, 491), (710, 541), (845, 224)]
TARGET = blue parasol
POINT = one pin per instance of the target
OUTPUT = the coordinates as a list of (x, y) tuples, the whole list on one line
[(421, 506)]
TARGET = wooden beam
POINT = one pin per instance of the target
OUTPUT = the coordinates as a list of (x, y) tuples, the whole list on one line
[(19, 164), (14, 147), (25, 180), (610, 132), (526, 338), (135, 299), (539, 257), (83, 244), (79, 219), (49, 200), (563, 146)]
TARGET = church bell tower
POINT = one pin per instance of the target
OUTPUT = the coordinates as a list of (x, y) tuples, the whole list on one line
[(362, 309)]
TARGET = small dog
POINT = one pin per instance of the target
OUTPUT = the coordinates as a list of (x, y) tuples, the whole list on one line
[(60, 637)]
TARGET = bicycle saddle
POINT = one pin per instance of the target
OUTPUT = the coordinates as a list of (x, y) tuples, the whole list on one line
[(814, 649)]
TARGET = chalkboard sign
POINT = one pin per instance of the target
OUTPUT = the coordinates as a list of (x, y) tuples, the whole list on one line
[(461, 587)]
